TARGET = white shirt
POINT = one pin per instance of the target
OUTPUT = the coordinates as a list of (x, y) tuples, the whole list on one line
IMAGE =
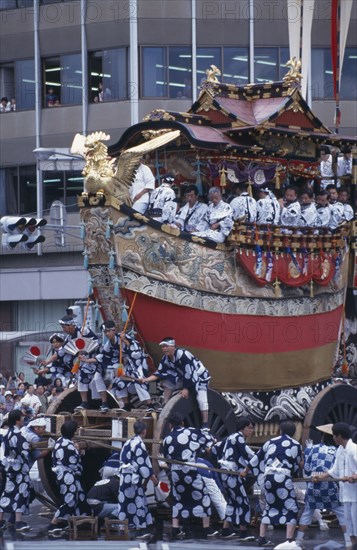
[(31, 401), (345, 465), (144, 179)]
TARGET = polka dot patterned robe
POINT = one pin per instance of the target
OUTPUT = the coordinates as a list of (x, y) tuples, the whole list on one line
[(235, 456), (184, 368), (67, 466), (15, 497), (278, 460), (135, 469), (189, 493), (136, 366)]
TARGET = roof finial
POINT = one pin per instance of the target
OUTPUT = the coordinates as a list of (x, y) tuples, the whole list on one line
[(212, 74), (293, 76)]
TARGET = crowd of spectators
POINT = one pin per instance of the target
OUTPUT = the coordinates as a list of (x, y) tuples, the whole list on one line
[(6, 105), (16, 393)]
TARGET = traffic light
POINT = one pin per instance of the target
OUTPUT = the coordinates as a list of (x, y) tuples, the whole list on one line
[(21, 230), (32, 233)]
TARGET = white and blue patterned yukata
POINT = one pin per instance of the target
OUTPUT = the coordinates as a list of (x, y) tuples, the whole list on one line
[(184, 368), (268, 210), (244, 208), (220, 213), (67, 466), (189, 492), (235, 456), (290, 214), (136, 366), (278, 460), (320, 458), (308, 215), (16, 494), (189, 218), (135, 470)]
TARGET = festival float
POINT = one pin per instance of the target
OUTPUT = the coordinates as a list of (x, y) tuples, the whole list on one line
[(266, 310)]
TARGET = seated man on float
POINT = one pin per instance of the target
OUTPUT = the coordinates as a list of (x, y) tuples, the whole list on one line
[(162, 203), (291, 209), (243, 205), (337, 208), (218, 220), (268, 208), (343, 197), (308, 213), (192, 213), (323, 209)]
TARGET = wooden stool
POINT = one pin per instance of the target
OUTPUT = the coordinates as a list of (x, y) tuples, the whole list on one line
[(88, 533), (116, 529)]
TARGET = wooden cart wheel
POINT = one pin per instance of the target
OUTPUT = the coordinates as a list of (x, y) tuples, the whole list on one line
[(337, 403), (221, 418), (94, 457)]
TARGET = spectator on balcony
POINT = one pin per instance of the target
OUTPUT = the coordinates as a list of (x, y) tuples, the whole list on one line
[(51, 98), (104, 94), (4, 105)]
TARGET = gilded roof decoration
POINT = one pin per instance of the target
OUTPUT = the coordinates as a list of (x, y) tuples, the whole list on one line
[(158, 114)]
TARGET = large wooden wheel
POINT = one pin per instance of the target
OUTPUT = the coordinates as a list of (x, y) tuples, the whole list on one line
[(337, 403), (94, 457), (221, 418)]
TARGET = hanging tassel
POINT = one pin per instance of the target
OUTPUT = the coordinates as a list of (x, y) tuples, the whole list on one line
[(311, 288), (85, 259), (111, 259), (223, 179), (82, 230), (108, 229), (277, 289), (344, 368), (90, 286), (116, 286), (250, 189), (96, 313), (124, 313)]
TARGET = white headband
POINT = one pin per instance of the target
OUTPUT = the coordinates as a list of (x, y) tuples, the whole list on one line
[(167, 343)]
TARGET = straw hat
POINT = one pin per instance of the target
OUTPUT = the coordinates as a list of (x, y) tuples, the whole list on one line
[(325, 428)]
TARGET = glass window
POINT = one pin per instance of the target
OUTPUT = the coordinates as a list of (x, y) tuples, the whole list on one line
[(180, 72), (205, 58), (63, 80), (349, 72), (71, 79), (115, 74), (265, 64), (25, 92), (154, 72), (321, 71), (52, 79), (27, 189), (63, 186), (108, 75), (235, 66), (284, 55)]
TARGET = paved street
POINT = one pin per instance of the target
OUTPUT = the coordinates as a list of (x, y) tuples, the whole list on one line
[(37, 538)]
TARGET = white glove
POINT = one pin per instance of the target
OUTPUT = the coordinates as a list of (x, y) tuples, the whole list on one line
[(309, 443), (51, 443)]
